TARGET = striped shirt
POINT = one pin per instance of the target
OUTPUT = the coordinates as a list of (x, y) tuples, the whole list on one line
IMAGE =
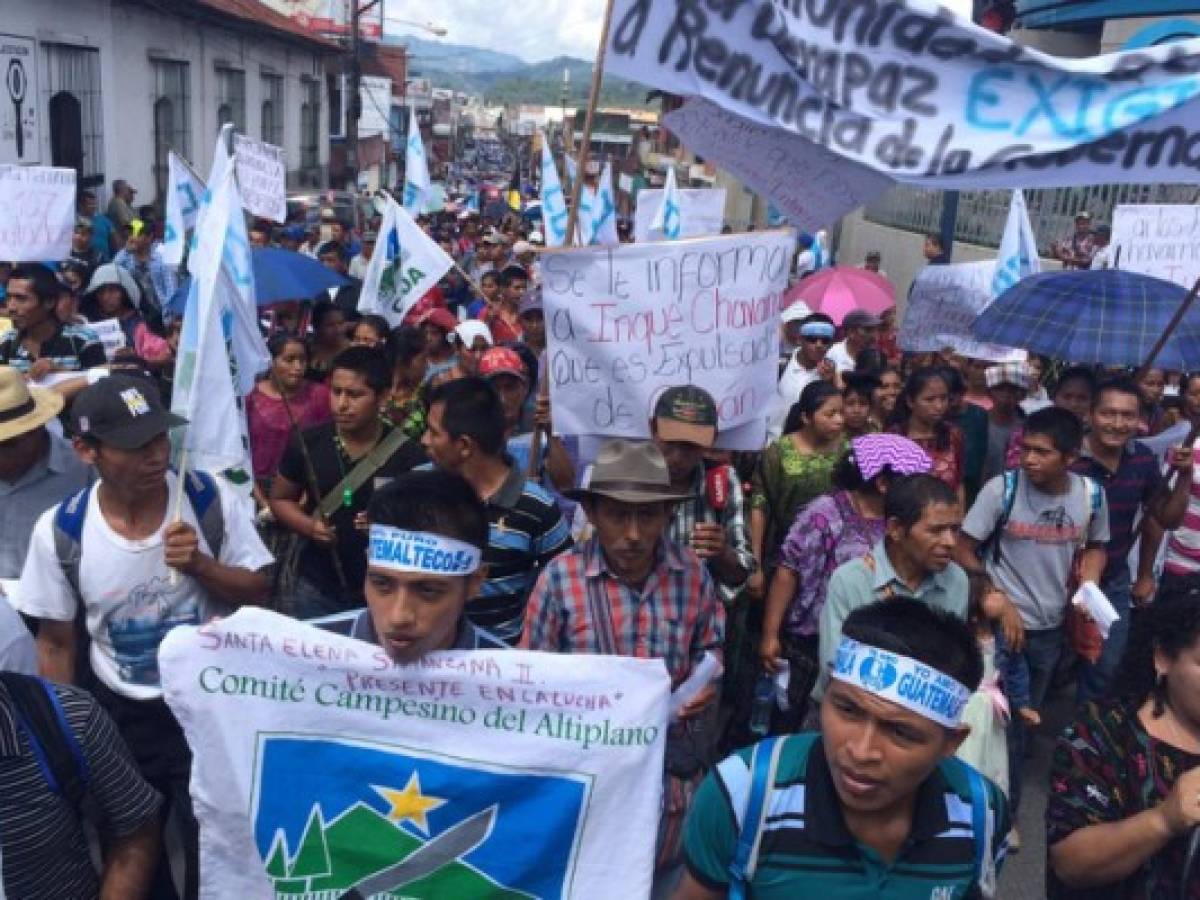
[(808, 851), (675, 617), (43, 849), (1183, 548), (71, 348), (525, 531), (1136, 481)]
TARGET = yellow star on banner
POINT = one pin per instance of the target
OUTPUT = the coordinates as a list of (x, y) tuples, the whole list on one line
[(410, 804)]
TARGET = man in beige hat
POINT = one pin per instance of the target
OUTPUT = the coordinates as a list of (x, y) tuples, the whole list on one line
[(37, 469), (630, 591)]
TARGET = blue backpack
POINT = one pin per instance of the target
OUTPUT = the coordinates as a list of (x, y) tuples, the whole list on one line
[(202, 494)]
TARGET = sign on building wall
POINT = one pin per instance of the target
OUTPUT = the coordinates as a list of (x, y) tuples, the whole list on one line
[(329, 18), (19, 100), (376, 95)]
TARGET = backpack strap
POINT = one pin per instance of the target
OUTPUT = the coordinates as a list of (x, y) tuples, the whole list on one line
[(991, 546), (205, 498), (764, 765), (981, 829), (68, 534), (40, 715)]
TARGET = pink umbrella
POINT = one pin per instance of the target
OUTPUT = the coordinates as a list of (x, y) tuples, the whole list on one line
[(841, 289)]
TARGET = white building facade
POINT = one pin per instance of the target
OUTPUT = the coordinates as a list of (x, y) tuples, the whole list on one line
[(112, 85)]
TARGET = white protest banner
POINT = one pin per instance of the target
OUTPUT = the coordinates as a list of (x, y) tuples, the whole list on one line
[(38, 204), (624, 323), (701, 213), (405, 265), (812, 186), (111, 337), (943, 304), (1158, 239), (322, 769), (921, 95), (262, 175)]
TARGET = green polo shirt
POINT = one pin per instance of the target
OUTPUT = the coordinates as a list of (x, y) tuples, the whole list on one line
[(864, 581), (807, 850)]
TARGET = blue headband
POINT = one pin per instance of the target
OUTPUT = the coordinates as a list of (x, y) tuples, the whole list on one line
[(817, 329)]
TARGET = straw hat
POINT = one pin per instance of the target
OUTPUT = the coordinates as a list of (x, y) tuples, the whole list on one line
[(22, 408)]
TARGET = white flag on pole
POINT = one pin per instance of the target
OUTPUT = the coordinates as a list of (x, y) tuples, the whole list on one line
[(1018, 255), (417, 184), (405, 265), (554, 202), (572, 167), (668, 219), (604, 210), (584, 221), (185, 191)]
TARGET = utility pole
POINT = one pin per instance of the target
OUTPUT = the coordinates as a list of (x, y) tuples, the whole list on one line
[(354, 90)]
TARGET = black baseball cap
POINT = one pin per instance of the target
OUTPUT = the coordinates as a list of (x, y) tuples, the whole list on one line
[(686, 413), (123, 411)]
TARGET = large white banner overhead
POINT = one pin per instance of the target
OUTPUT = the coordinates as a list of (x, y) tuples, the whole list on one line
[(322, 769), (920, 95), (625, 323)]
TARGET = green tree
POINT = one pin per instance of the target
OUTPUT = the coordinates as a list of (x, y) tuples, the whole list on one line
[(277, 866), (312, 859)]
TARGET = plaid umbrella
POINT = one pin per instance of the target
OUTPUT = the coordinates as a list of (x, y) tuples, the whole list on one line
[(1105, 317)]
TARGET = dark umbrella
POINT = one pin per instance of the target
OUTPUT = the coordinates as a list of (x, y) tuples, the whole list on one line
[(278, 275), (1103, 317)]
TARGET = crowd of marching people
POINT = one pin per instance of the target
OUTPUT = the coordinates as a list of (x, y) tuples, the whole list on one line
[(888, 584)]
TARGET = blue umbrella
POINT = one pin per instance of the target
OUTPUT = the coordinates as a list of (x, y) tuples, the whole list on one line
[(278, 275), (1104, 317)]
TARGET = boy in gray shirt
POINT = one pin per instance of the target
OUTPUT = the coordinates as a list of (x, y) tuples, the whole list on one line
[(1023, 534)]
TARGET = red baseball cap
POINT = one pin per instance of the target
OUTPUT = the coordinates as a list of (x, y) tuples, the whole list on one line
[(441, 317), (502, 361)]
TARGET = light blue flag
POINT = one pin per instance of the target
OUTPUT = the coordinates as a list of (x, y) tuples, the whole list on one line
[(669, 219), (417, 184), (572, 167), (184, 193), (554, 202), (1018, 255), (604, 210)]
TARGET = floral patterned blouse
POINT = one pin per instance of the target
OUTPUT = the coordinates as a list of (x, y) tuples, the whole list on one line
[(826, 533), (1106, 768), (785, 480)]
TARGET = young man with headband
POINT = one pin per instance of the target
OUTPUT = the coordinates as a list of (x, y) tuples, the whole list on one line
[(424, 562), (875, 805)]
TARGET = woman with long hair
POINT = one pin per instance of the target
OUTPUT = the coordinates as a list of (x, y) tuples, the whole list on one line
[(922, 416), (793, 470), (267, 406), (328, 338), (1125, 780), (406, 407)]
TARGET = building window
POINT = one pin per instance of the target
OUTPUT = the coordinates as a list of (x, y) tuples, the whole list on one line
[(272, 109), (73, 81), (231, 98), (172, 126), (310, 124)]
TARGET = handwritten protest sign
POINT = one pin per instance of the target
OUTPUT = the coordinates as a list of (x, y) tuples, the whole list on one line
[(701, 213), (321, 766), (808, 183), (921, 95), (1158, 239), (944, 303), (624, 323), (261, 175), (38, 204)]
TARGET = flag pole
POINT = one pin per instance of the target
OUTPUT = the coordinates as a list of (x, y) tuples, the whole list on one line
[(535, 442), (177, 515)]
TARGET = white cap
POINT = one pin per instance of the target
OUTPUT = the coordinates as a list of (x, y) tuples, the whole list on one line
[(472, 328), (537, 237), (797, 311), (523, 247)]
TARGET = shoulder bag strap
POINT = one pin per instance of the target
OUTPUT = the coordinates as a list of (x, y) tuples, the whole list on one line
[(365, 468), (601, 616)]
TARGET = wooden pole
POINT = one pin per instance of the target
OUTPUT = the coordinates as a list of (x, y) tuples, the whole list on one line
[(1168, 331), (581, 161)]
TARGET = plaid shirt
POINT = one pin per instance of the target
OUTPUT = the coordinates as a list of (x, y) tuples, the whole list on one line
[(732, 519), (676, 617)]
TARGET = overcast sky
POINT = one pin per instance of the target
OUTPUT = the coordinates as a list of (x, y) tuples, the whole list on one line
[(534, 30)]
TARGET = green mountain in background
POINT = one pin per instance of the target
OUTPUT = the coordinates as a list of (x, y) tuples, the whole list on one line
[(334, 857), (503, 78)]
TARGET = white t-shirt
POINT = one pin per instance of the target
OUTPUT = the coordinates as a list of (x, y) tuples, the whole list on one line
[(840, 357), (130, 601)]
